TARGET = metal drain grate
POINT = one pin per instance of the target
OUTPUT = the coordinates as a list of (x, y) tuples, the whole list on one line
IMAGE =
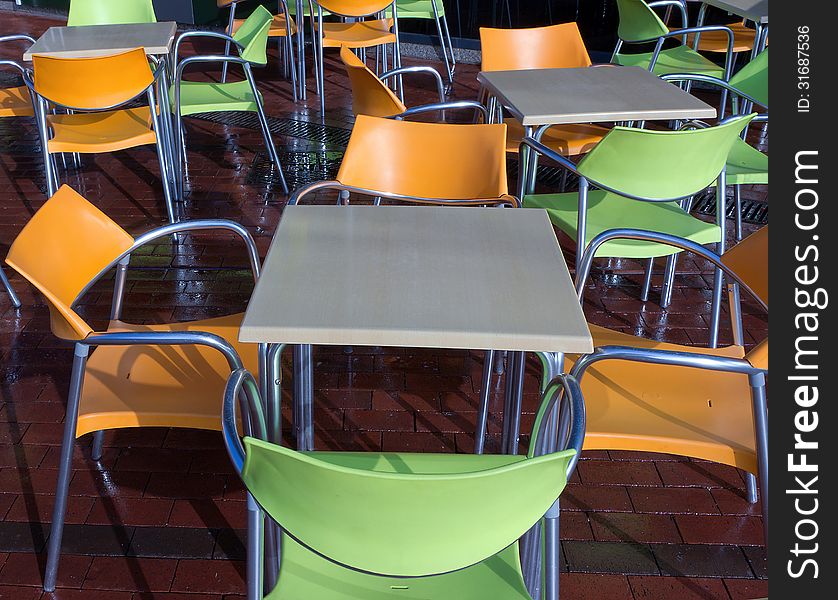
[(313, 132), (300, 168), (753, 211)]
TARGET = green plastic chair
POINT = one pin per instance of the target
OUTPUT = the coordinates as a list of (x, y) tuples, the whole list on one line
[(192, 97), (110, 12), (642, 179), (640, 24), (381, 526), (748, 87), (431, 10)]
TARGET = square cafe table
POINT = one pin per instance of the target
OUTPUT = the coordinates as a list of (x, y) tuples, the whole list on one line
[(431, 277), (101, 40)]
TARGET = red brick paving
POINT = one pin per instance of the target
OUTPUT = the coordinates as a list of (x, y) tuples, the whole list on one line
[(391, 399)]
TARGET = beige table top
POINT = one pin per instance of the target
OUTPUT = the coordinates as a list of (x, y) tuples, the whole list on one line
[(433, 277), (100, 40), (755, 10), (591, 94)]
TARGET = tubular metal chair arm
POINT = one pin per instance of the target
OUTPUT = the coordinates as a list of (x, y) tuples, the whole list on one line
[(541, 149), (171, 228), (661, 238), (697, 31), (675, 358), (13, 64), (298, 194), (166, 338), (454, 104), (715, 81), (563, 386), (677, 3), (15, 37), (506, 200), (210, 34), (241, 385), (418, 69), (206, 58)]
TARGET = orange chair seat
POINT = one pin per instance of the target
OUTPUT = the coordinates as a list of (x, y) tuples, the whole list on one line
[(101, 132), (716, 41), (359, 34), (160, 386), (675, 410), (16, 102), (277, 28), (567, 140)]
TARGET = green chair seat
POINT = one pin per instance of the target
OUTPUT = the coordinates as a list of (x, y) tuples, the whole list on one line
[(312, 577), (681, 59), (607, 210), (746, 165), (198, 97), (418, 9), (426, 463)]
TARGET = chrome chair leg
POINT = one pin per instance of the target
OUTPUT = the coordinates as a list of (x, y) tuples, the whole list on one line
[(737, 199), (9, 290), (255, 549), (647, 280), (751, 481), (483, 408), (668, 280), (98, 445), (760, 408), (65, 466)]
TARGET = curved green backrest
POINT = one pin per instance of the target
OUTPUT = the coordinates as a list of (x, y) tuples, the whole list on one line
[(661, 164), (752, 79), (398, 522), (638, 22), (110, 12), (253, 35)]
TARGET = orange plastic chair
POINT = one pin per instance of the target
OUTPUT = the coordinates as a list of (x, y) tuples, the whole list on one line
[(433, 163), (282, 27), (361, 32), (93, 90), (553, 47), (371, 96), (708, 404), (169, 375)]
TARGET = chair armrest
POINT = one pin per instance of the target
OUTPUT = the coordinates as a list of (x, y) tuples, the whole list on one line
[(454, 104), (653, 236), (418, 69), (241, 386), (183, 226), (677, 3), (710, 80), (297, 195), (201, 33), (565, 390), (17, 37), (697, 31)]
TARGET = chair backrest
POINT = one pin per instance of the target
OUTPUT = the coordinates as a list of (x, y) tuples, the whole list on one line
[(382, 515), (749, 260), (370, 96), (638, 22), (110, 12), (661, 165), (752, 79), (426, 160), (353, 8), (552, 47), (61, 249), (92, 83), (253, 35)]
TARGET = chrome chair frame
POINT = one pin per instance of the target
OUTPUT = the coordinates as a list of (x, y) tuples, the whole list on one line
[(756, 376), (561, 424), (448, 55), (144, 338), (179, 138), (157, 96), (13, 297), (9, 289), (318, 49), (530, 150), (286, 52)]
